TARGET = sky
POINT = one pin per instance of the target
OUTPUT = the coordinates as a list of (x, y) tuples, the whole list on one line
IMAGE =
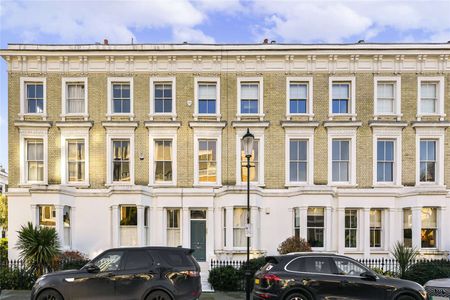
[(215, 21)]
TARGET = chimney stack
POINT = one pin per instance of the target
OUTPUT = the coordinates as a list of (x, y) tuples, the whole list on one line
[(105, 42), (266, 41)]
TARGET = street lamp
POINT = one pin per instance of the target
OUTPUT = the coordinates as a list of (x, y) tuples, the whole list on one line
[(247, 142)]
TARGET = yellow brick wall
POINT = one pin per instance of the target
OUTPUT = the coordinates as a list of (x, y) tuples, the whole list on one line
[(274, 108)]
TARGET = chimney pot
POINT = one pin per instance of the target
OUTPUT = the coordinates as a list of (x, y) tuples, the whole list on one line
[(266, 41), (105, 42)]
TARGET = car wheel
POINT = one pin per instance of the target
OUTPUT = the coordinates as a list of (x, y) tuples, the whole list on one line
[(158, 295), (49, 295), (296, 296)]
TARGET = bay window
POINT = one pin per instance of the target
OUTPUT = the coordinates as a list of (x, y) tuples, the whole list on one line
[(239, 227), (351, 228), (429, 227), (128, 225), (407, 227), (375, 228), (173, 228), (315, 226)]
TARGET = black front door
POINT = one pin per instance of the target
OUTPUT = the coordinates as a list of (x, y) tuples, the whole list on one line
[(198, 234)]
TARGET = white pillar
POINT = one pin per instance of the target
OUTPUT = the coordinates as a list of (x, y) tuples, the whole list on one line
[(254, 219), (160, 229), (218, 225), (59, 223), (303, 212), (442, 215), (140, 225), (229, 230), (115, 226), (185, 229), (328, 229), (35, 214), (72, 228), (366, 232), (416, 226), (341, 230), (210, 233), (392, 228)]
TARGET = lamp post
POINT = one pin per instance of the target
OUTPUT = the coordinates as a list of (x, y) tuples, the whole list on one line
[(247, 142)]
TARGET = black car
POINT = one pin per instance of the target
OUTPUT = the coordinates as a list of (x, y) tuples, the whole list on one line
[(313, 276), (145, 273)]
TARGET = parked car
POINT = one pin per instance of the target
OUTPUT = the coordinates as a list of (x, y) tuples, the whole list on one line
[(314, 276), (145, 273), (438, 289)]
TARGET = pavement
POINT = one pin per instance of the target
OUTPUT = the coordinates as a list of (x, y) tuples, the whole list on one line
[(21, 295)]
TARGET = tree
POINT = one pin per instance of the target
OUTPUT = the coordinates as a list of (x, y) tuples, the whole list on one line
[(4, 212), (405, 256), (294, 244), (38, 247)]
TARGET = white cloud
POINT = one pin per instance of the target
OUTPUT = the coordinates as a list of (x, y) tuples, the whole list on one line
[(90, 21), (341, 20), (191, 35)]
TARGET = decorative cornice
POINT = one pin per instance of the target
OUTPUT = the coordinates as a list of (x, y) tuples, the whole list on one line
[(40, 124), (120, 124), (163, 124), (441, 124), (207, 124), (285, 124), (250, 124), (74, 124), (378, 123)]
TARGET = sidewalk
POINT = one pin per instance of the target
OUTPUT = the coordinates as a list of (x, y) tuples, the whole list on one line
[(23, 295)]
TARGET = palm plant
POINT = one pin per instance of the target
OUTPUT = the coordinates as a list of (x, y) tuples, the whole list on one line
[(404, 256), (38, 247)]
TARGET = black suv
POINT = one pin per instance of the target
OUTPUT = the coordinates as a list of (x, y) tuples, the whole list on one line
[(315, 276), (145, 273)]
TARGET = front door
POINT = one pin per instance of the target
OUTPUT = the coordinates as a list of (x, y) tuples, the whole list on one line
[(198, 234)]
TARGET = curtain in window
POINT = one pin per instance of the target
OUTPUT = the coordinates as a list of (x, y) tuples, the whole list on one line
[(429, 225), (385, 101), (173, 228), (341, 91), (75, 98), (207, 91), (298, 91), (249, 91), (239, 223)]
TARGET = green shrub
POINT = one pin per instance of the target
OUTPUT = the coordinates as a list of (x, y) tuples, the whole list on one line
[(405, 256), (3, 249), (254, 265), (16, 279), (294, 244), (225, 279), (69, 260), (423, 271), (384, 273)]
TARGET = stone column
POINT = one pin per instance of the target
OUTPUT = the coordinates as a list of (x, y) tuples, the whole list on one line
[(59, 223), (441, 232), (416, 226), (218, 226), (160, 230), (254, 220), (140, 225), (210, 233), (229, 229), (115, 226), (72, 228), (35, 214), (366, 232), (328, 229), (185, 228), (303, 212), (341, 230)]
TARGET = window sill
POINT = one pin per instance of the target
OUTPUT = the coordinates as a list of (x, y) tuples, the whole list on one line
[(120, 184), (387, 185), (158, 185), (32, 184), (243, 116), (343, 184), (293, 115), (298, 184), (349, 115), (252, 184), (41, 115), (76, 184), (162, 115), (204, 185), (206, 116), (85, 116), (120, 115)]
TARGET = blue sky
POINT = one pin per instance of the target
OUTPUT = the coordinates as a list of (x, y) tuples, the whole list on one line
[(215, 21)]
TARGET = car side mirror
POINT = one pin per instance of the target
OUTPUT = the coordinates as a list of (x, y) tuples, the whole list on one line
[(369, 276), (92, 268)]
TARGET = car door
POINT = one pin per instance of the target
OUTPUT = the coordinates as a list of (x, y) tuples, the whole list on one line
[(314, 273), (99, 285), (353, 285), (137, 275)]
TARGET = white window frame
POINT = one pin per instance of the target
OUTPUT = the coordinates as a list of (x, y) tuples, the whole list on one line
[(260, 82), (348, 134), (437, 134), (74, 134), (111, 81), (259, 135), (438, 231), (232, 228), (162, 134), (197, 82), (358, 230), (23, 96), (382, 231), (394, 134), (440, 96), (65, 81), (32, 133), (166, 223), (300, 134), (397, 81), (116, 134), (156, 80), (208, 134), (309, 101), (352, 103)]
